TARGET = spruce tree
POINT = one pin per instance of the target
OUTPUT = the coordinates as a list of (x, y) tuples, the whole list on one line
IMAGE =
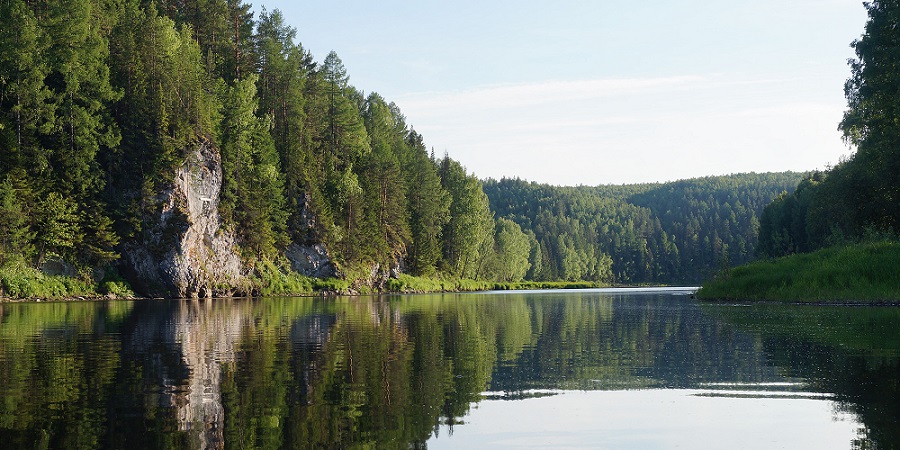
[(383, 182), (252, 190), (429, 207)]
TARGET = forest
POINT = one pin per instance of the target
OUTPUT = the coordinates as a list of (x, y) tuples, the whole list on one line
[(677, 232), (105, 105)]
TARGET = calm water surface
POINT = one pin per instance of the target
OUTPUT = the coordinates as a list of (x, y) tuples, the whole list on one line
[(576, 369)]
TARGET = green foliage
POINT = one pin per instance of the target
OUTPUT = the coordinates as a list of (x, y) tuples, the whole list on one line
[(860, 195), (865, 272), (118, 289), (675, 232), (281, 89), (429, 207), (15, 237), (870, 121), (508, 261), (104, 101), (57, 228), (19, 281), (468, 232), (409, 283), (252, 181), (272, 279), (331, 285), (386, 219)]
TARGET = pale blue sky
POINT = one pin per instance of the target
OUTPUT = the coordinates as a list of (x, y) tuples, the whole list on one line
[(598, 92)]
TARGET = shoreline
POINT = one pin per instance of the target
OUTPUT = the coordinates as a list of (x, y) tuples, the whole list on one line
[(519, 287)]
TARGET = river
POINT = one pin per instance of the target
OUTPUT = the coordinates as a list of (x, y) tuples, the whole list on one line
[(603, 368)]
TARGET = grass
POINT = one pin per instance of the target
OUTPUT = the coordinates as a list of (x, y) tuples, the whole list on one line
[(269, 279), (18, 281), (857, 273)]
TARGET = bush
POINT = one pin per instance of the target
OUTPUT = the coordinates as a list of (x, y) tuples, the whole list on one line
[(118, 289)]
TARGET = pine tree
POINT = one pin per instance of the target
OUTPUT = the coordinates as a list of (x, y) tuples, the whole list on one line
[(15, 233), (24, 97), (169, 106), (871, 120), (383, 182), (284, 70), (344, 145)]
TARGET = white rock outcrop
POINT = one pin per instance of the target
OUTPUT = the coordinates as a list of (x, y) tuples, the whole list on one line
[(184, 251)]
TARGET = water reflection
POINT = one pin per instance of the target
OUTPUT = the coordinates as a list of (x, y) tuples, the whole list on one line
[(401, 372)]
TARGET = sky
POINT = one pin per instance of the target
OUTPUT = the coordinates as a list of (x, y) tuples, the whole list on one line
[(601, 92)]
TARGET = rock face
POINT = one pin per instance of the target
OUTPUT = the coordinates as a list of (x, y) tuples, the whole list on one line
[(310, 260), (184, 250)]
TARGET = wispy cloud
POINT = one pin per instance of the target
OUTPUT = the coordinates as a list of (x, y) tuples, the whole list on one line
[(526, 94)]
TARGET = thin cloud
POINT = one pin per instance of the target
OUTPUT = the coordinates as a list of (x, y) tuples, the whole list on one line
[(526, 94)]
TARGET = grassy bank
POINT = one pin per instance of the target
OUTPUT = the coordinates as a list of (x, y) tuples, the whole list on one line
[(17, 281), (866, 272)]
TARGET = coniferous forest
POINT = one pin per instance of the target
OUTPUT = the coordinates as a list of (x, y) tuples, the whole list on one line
[(194, 148)]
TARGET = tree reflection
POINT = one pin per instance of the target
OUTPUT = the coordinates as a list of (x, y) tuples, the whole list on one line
[(852, 352)]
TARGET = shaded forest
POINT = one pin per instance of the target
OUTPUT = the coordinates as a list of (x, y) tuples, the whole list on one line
[(104, 103)]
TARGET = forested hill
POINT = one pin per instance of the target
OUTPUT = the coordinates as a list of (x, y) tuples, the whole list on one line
[(678, 232), (198, 149)]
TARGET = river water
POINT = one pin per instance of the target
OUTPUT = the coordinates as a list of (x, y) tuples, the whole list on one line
[(606, 368)]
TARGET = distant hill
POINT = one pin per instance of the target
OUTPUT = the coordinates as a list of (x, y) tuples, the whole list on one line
[(677, 232)]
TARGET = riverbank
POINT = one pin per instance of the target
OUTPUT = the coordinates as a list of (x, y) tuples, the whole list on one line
[(20, 283), (859, 273)]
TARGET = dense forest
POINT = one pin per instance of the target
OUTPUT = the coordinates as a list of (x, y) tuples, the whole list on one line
[(179, 132), (860, 197), (678, 232), (103, 102)]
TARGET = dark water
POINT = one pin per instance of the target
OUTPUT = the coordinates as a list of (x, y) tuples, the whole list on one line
[(577, 369)]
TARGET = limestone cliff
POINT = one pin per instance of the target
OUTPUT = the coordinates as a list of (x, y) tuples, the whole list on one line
[(183, 250)]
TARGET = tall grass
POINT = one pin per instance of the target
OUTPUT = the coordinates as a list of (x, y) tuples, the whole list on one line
[(270, 279), (865, 272), (19, 281)]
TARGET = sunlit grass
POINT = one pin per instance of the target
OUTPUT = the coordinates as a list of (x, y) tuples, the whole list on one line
[(867, 272), (19, 281)]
